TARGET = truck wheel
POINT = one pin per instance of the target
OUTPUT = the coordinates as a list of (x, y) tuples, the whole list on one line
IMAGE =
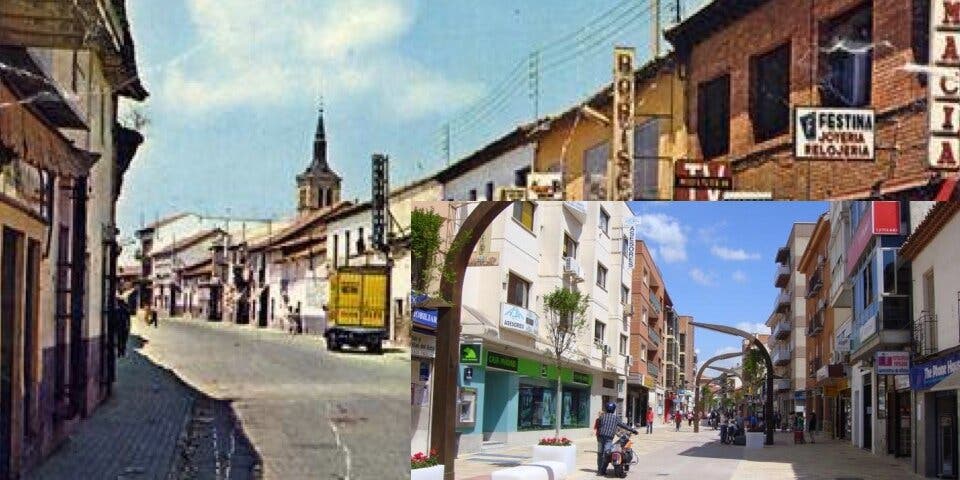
[(332, 343), (376, 348)]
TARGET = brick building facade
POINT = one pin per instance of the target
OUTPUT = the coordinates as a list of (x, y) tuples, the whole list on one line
[(749, 62)]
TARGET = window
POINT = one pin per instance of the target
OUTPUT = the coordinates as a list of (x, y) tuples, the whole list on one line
[(847, 59), (624, 294), (601, 276), (569, 246), (770, 93), (523, 213), (646, 276), (713, 116), (643, 315), (537, 403), (489, 191), (890, 271), (520, 177), (518, 291), (646, 165), (595, 169), (604, 222), (868, 283), (361, 247), (473, 194), (599, 333), (623, 344)]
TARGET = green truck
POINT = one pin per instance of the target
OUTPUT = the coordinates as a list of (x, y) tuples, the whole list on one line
[(358, 308)]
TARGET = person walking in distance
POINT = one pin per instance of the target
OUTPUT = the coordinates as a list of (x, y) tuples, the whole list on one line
[(798, 429), (607, 425), (650, 417), (121, 326), (677, 419), (812, 426)]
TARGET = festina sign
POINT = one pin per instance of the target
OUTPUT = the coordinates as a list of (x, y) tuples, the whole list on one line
[(834, 133), (624, 90), (701, 180), (944, 102)]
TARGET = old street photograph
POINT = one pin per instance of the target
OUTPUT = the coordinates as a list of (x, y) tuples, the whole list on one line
[(711, 340)]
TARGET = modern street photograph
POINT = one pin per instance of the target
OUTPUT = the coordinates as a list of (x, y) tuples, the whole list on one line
[(709, 340)]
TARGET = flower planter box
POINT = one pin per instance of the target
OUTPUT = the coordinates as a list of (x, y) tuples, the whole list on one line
[(755, 439), (430, 473), (566, 455)]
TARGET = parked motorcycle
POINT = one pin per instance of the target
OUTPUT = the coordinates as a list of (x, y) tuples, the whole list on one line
[(621, 455)]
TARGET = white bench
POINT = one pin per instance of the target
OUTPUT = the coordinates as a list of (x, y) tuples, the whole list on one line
[(558, 470), (755, 439), (545, 470)]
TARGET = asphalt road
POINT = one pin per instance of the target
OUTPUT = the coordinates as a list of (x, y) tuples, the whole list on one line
[(308, 413)]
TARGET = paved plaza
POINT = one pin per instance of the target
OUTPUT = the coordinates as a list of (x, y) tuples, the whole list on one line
[(688, 455)]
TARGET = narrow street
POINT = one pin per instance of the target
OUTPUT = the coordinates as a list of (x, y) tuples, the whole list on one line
[(309, 413)]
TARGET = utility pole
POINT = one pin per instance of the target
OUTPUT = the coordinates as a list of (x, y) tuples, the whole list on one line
[(656, 27), (533, 81)]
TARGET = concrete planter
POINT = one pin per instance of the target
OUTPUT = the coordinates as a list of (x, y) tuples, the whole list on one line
[(565, 455), (430, 473), (755, 439)]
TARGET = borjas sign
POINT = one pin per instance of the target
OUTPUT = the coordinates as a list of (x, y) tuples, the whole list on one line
[(944, 145), (834, 133)]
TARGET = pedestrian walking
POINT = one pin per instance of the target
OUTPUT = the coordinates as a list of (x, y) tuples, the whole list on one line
[(812, 426), (650, 420), (121, 326), (677, 419), (150, 315), (606, 427), (689, 419), (798, 429)]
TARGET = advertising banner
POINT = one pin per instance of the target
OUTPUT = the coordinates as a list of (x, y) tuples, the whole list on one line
[(928, 374), (701, 180), (519, 319), (834, 133), (944, 101), (893, 363), (631, 234), (624, 91)]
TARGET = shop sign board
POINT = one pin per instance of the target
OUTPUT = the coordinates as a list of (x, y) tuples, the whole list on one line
[(893, 363), (834, 133), (423, 346), (631, 234), (624, 91), (470, 353), (883, 219), (583, 378), (928, 374), (503, 362), (944, 102), (701, 180), (519, 319), (868, 328)]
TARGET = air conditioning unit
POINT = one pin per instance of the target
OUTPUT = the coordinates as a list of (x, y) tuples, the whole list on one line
[(628, 309), (606, 349), (572, 268)]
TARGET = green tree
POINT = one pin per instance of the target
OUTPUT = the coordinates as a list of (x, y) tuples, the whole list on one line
[(427, 252), (566, 317), (754, 371)]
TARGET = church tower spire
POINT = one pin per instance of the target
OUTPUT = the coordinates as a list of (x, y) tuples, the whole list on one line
[(318, 186)]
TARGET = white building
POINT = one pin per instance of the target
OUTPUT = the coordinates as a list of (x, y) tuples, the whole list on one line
[(530, 250)]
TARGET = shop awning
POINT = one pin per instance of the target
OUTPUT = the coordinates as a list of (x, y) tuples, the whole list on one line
[(951, 382)]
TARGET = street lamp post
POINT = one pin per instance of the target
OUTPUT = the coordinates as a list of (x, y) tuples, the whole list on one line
[(768, 404)]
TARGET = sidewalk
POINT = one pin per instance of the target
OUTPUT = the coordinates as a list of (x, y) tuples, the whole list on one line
[(133, 434)]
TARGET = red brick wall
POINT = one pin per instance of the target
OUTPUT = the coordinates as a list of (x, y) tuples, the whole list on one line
[(770, 166)]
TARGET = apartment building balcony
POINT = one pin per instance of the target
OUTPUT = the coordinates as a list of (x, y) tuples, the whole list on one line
[(815, 282), (654, 337), (781, 355), (783, 255), (577, 209), (782, 329), (815, 324), (655, 306), (782, 303), (925, 334), (815, 365), (572, 269), (653, 370), (781, 276), (781, 384)]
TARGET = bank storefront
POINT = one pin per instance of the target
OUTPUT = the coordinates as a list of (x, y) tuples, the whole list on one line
[(512, 397), (934, 384), (423, 347)]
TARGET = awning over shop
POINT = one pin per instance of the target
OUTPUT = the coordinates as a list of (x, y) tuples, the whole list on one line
[(936, 375)]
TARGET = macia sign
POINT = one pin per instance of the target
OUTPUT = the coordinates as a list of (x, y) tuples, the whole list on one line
[(834, 133), (944, 144)]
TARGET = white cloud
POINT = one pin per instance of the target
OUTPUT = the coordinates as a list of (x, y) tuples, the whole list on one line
[(738, 254), (708, 279), (739, 276), (302, 49), (665, 234), (753, 327)]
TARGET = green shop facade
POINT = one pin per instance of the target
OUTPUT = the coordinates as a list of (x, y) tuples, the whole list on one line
[(512, 398)]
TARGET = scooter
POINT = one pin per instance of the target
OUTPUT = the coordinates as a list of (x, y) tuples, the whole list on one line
[(621, 456)]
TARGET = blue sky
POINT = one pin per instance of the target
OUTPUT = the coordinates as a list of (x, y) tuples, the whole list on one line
[(235, 86), (717, 259)]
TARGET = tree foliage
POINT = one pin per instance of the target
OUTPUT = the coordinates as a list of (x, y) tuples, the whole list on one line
[(427, 252), (565, 310)]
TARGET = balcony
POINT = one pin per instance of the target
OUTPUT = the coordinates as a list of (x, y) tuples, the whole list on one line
[(781, 384), (815, 365), (815, 324), (782, 303), (783, 255), (655, 306), (653, 370), (654, 337), (781, 355), (782, 329), (925, 334), (782, 276), (572, 269), (577, 209), (815, 283)]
